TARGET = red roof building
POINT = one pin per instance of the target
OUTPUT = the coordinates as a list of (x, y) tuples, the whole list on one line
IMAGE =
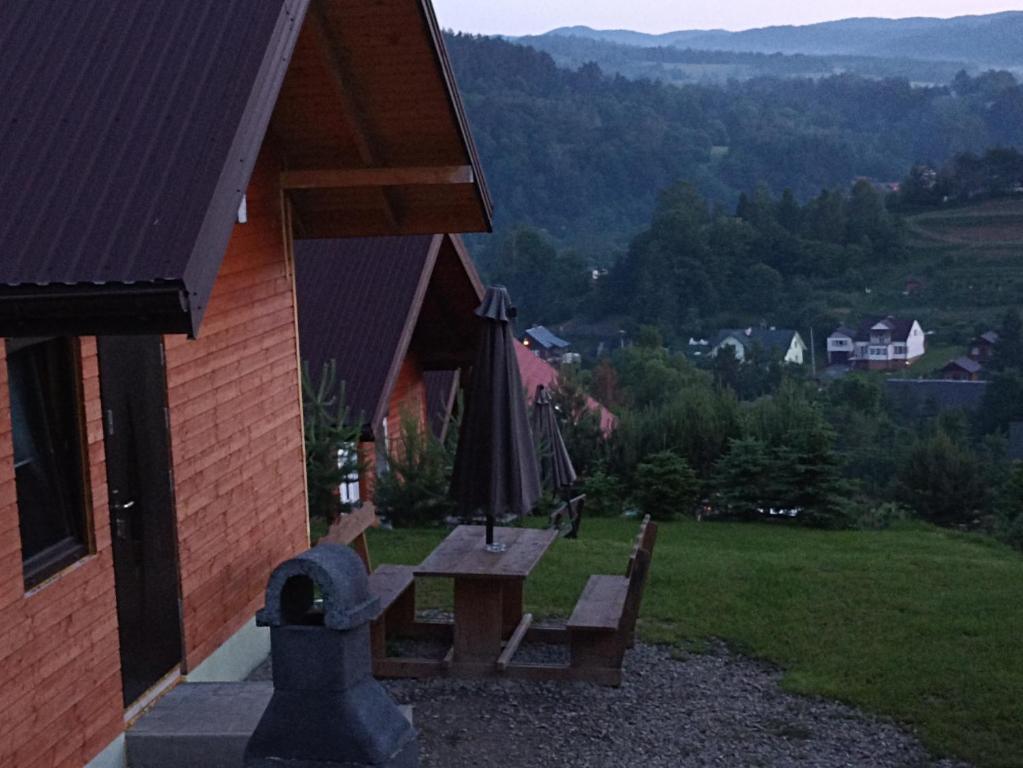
[(535, 372)]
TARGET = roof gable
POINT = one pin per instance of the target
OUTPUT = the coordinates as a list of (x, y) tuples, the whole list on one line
[(965, 364), (900, 328), (364, 302), (135, 129)]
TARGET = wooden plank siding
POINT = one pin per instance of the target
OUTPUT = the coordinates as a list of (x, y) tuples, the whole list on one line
[(238, 463), (60, 673), (236, 429), (408, 395)]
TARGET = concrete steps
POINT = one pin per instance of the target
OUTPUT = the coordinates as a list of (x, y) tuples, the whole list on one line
[(200, 725)]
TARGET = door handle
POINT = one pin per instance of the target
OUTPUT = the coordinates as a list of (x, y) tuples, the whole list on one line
[(121, 528)]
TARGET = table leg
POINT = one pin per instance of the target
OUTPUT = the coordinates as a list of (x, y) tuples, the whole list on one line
[(478, 620), (512, 605)]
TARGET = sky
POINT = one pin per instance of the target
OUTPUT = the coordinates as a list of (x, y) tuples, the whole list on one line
[(524, 17)]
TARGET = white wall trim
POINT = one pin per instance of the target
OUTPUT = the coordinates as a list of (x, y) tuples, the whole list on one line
[(236, 658)]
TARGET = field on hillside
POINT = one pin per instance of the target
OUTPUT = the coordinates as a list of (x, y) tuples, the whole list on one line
[(917, 623), (969, 263)]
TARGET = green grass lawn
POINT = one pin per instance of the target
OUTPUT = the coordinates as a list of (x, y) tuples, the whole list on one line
[(920, 624)]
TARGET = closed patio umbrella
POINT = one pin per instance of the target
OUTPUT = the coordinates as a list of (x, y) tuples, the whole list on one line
[(556, 465), (495, 466)]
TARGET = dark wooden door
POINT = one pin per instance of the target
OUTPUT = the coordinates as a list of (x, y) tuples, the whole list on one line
[(134, 394)]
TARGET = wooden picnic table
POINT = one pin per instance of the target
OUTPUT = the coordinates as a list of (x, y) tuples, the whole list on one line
[(488, 587)]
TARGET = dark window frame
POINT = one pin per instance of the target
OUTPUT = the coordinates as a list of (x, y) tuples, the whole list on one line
[(58, 439)]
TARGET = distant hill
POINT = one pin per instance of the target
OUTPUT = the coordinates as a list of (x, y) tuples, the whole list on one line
[(706, 67), (582, 155), (990, 40)]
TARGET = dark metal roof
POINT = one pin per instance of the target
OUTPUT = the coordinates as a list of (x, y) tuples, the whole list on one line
[(128, 135), (367, 303), (770, 339), (899, 327), (542, 336), (357, 302), (964, 363)]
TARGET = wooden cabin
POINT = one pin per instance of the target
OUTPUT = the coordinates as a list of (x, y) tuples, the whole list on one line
[(396, 315), (157, 162), (962, 369)]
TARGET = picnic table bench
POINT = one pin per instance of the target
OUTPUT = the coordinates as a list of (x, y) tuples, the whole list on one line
[(490, 624), (567, 517), (602, 625)]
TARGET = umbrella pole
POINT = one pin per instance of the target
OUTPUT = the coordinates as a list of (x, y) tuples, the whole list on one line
[(491, 546)]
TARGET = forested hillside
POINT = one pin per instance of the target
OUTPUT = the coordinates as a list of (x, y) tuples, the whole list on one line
[(712, 67), (583, 155)]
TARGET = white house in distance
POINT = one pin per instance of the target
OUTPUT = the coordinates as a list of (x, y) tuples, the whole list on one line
[(878, 344), (779, 344)]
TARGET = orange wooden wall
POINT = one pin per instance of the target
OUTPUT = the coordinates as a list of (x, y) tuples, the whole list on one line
[(60, 670), (236, 441), (408, 395), (236, 430)]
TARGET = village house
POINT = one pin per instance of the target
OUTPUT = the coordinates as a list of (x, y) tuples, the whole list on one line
[(962, 369), (778, 345), (545, 344), (982, 348), (537, 372), (158, 161), (388, 311), (885, 343)]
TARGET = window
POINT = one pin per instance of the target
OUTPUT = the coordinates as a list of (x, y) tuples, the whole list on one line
[(49, 459), (349, 487)]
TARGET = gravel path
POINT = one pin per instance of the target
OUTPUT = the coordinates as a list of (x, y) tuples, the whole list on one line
[(712, 709)]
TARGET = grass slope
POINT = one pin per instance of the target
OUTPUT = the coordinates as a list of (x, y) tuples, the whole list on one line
[(920, 624)]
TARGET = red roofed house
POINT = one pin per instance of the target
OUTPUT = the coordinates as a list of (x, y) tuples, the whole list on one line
[(535, 372), (156, 162), (397, 315)]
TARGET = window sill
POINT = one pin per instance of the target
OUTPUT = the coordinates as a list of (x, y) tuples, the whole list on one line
[(49, 565)]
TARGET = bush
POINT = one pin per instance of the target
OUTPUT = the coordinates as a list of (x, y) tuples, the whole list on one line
[(414, 490), (1009, 510), (876, 517), (942, 482), (665, 485), (603, 494)]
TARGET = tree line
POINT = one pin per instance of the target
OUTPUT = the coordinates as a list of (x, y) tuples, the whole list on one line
[(580, 155)]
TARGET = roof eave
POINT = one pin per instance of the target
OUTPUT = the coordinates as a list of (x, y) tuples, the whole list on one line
[(93, 310), (447, 72)]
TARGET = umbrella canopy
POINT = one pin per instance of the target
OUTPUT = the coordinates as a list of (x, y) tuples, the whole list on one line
[(556, 465), (495, 466)]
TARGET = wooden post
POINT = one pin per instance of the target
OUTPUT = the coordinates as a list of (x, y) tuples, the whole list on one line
[(478, 628)]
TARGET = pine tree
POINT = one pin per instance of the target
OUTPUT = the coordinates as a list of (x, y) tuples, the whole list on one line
[(331, 441)]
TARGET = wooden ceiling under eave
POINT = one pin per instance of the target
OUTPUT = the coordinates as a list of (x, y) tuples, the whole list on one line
[(371, 127)]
